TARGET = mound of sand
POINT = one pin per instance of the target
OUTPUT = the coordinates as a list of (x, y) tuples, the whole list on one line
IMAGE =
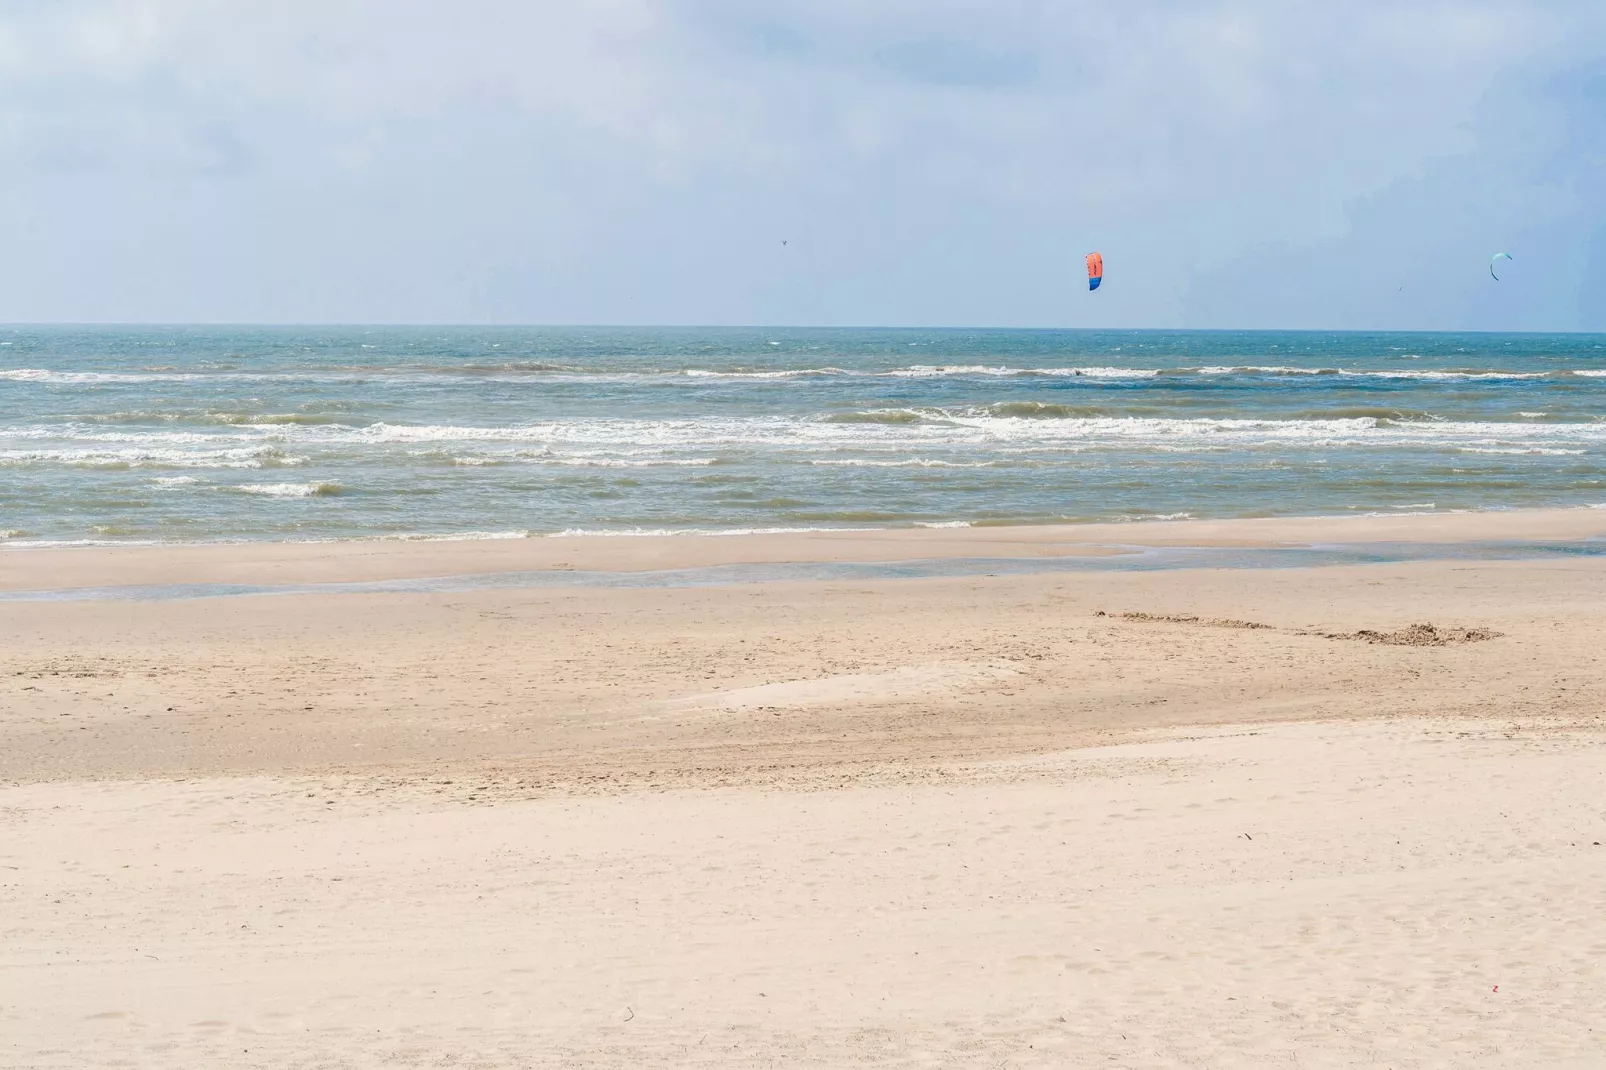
[(1418, 635)]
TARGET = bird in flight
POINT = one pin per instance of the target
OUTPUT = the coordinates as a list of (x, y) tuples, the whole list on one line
[(783, 241)]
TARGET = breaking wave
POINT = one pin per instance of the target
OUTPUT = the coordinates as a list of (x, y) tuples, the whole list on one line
[(289, 490), (242, 432)]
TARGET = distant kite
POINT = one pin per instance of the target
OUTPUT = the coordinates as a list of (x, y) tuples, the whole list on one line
[(1095, 270), (1492, 259)]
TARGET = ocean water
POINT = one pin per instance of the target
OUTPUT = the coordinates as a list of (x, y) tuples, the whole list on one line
[(228, 433)]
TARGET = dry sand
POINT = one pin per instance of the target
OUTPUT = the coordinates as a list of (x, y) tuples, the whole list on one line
[(938, 822)]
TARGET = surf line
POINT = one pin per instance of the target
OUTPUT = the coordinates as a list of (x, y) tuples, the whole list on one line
[(1124, 559)]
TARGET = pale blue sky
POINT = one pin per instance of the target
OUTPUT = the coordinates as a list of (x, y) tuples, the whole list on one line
[(1240, 163)]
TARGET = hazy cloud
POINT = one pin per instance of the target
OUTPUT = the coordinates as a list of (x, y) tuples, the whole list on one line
[(1239, 162)]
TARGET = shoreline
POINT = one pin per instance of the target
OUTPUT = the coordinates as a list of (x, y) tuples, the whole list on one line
[(24, 568)]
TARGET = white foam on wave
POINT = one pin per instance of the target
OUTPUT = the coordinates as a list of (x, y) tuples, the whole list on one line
[(911, 462), (644, 443), (1096, 373), (1447, 376), (932, 371), (81, 432), (958, 439), (1441, 375), (942, 524), (249, 457), (621, 458), (72, 378), (386, 432), (1256, 369), (54, 544), (936, 371), (565, 373), (624, 462), (288, 490), (458, 536), (786, 373)]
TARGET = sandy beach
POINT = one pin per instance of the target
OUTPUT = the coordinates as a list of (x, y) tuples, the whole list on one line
[(1210, 817), (802, 536)]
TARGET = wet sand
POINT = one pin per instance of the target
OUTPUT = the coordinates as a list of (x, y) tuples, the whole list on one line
[(47, 568)]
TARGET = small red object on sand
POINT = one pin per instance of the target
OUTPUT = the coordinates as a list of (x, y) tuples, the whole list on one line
[(1497, 988)]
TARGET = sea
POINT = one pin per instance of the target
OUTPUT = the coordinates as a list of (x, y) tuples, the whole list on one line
[(207, 433)]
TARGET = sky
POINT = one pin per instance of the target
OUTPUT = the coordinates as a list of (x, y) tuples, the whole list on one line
[(1239, 163)]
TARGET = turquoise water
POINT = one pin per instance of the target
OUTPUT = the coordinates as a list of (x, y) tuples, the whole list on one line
[(209, 433)]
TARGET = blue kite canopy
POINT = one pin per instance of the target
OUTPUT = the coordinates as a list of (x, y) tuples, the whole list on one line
[(1492, 259)]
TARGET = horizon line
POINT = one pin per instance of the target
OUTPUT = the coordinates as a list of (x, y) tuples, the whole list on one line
[(512, 325)]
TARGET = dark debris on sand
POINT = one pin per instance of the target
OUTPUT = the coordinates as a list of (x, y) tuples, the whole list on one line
[(1172, 618), (1410, 635), (1417, 635)]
